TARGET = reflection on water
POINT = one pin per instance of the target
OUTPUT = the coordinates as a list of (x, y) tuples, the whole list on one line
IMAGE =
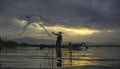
[(33, 57), (77, 59)]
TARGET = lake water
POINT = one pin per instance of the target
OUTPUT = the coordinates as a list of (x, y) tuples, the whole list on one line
[(34, 57)]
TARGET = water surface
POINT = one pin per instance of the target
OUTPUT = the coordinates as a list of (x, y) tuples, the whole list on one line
[(34, 57)]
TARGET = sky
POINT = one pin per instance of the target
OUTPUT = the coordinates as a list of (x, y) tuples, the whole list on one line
[(79, 20)]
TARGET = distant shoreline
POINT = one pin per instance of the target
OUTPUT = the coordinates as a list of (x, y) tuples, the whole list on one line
[(8, 44)]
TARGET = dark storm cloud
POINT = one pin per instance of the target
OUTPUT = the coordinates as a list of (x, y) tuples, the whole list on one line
[(100, 12), (89, 13), (96, 14)]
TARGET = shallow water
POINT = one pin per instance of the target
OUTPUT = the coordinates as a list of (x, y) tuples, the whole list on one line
[(33, 57)]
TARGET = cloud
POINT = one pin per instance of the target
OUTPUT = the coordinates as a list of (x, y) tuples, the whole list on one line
[(92, 14), (79, 12)]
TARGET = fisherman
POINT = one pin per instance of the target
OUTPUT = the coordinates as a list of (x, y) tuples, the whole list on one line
[(59, 38), (58, 48)]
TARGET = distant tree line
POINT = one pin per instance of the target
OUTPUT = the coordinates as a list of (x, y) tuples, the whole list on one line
[(4, 43)]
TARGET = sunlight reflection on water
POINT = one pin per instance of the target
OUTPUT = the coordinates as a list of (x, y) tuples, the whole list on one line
[(33, 57)]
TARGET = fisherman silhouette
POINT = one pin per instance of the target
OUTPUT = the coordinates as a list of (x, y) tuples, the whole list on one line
[(58, 48), (59, 38)]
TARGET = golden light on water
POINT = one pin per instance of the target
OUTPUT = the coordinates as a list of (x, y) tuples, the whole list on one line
[(81, 62), (78, 62)]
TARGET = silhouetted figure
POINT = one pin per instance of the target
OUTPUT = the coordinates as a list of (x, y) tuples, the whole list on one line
[(70, 47), (58, 48), (59, 38), (70, 51), (84, 44)]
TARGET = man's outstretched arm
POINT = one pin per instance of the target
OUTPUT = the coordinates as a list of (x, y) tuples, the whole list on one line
[(54, 33)]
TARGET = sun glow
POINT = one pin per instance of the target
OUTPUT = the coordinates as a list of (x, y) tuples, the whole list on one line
[(82, 31), (67, 30)]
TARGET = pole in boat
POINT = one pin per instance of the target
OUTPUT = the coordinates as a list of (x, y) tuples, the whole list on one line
[(58, 48), (70, 51)]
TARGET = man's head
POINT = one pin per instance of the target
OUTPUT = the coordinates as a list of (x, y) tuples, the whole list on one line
[(60, 32)]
